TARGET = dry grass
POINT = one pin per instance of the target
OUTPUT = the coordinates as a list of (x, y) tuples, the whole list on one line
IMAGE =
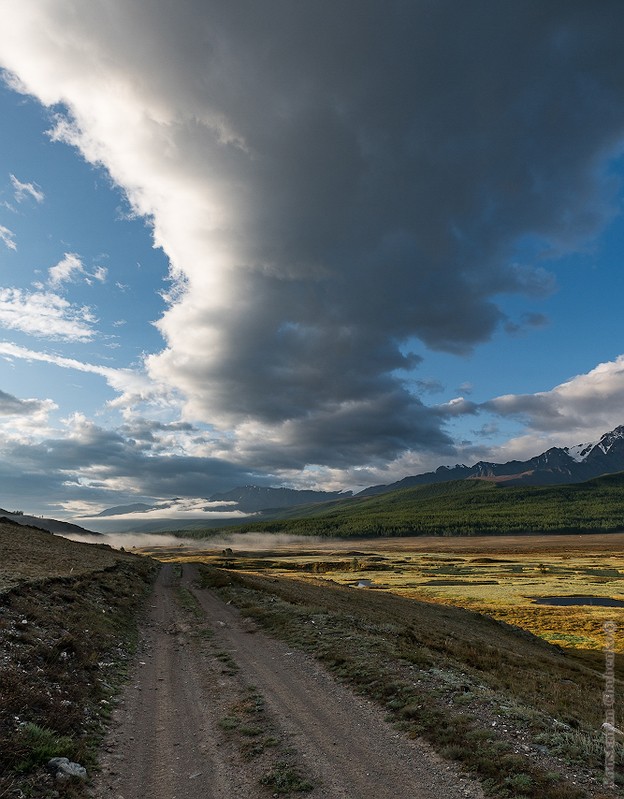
[(449, 639), (522, 715), (30, 554)]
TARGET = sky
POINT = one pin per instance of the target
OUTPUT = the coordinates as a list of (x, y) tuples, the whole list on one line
[(312, 244)]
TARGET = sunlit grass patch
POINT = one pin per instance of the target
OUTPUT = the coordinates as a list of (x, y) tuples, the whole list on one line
[(568, 639)]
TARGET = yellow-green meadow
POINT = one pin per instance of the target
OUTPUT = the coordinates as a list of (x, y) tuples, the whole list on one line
[(504, 577)]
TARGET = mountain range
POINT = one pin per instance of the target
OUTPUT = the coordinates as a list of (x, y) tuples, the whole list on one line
[(252, 498), (243, 499), (556, 466)]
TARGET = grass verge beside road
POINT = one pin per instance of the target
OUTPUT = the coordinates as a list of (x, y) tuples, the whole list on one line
[(522, 715)]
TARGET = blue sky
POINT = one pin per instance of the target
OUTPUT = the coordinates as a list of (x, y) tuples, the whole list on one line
[(303, 246), (79, 217)]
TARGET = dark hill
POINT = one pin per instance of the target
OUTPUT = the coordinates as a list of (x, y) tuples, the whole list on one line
[(51, 525)]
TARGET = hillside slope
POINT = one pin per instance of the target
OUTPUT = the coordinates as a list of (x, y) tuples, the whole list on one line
[(466, 507), (31, 554), (42, 523)]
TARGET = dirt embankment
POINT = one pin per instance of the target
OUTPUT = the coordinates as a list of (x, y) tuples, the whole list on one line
[(216, 709)]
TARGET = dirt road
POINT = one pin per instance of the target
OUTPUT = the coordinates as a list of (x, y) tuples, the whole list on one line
[(178, 733)]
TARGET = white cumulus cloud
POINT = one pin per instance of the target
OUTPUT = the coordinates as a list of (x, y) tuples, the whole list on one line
[(45, 314), (587, 405), (68, 269), (12, 406), (23, 420)]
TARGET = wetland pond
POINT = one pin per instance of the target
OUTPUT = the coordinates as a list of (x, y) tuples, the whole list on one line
[(602, 601)]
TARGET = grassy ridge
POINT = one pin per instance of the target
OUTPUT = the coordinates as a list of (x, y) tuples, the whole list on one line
[(466, 507), (30, 554)]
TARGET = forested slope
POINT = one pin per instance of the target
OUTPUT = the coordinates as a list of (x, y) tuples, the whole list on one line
[(466, 507)]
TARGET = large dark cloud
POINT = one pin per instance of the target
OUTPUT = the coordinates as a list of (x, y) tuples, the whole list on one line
[(336, 184), (396, 155)]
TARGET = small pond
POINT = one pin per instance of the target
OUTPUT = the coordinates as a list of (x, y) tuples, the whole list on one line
[(601, 601)]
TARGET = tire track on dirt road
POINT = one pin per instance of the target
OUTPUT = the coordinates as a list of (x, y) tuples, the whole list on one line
[(167, 743), (162, 743)]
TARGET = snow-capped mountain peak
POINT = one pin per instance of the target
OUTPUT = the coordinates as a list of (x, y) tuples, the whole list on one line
[(610, 439), (554, 466), (579, 452)]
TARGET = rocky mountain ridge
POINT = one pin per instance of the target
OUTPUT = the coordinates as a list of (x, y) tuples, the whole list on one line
[(557, 465)]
